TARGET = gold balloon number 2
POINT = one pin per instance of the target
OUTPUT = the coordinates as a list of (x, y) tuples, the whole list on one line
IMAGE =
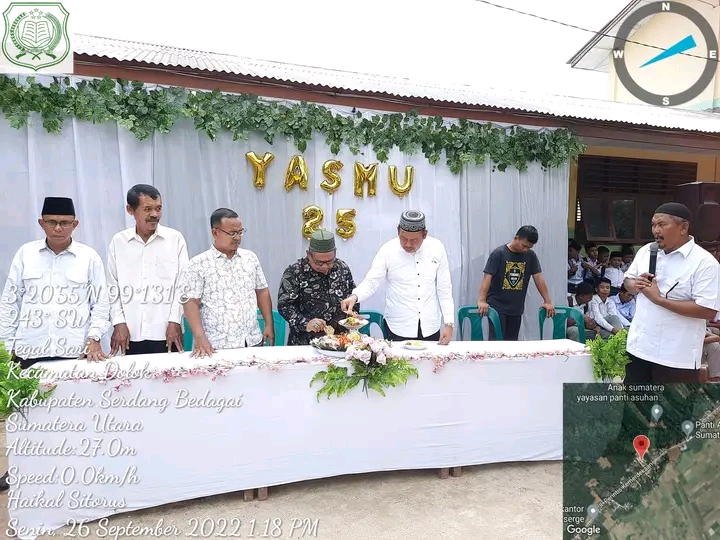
[(313, 217)]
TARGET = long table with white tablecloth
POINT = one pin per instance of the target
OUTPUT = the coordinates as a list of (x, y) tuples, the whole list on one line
[(138, 439)]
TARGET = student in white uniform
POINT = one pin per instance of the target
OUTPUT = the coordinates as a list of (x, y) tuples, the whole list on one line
[(665, 341), (54, 305), (143, 266), (418, 302)]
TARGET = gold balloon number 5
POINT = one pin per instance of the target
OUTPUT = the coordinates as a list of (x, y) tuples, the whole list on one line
[(313, 217)]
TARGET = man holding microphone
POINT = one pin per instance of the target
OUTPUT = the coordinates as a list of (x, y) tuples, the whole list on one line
[(676, 282)]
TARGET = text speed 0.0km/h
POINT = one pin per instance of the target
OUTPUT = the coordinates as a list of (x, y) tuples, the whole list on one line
[(624, 38)]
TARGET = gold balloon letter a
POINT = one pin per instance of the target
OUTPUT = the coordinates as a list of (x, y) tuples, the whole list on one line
[(259, 166), (332, 179), (404, 189), (296, 173), (365, 174)]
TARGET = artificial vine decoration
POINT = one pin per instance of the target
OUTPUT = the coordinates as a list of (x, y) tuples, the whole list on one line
[(144, 111), (19, 388)]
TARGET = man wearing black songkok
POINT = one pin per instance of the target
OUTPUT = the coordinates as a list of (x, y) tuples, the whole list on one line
[(665, 340), (53, 285)]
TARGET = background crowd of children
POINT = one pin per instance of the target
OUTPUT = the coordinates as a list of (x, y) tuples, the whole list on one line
[(595, 287)]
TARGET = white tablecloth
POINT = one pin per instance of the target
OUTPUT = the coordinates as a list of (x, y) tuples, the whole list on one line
[(489, 411)]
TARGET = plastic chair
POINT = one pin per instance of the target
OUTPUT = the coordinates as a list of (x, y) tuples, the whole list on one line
[(476, 331), (562, 314), (373, 317), (187, 336), (279, 324)]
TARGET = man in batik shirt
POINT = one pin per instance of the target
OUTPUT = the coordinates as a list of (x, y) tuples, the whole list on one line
[(312, 288)]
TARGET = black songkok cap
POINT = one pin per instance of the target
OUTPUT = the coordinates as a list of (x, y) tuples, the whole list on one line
[(58, 206), (675, 209)]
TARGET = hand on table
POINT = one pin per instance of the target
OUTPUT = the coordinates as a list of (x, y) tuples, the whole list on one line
[(348, 304), (202, 348), (711, 338), (93, 352), (120, 340), (446, 335), (174, 336)]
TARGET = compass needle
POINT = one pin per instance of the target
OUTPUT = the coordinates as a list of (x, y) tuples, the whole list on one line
[(680, 47)]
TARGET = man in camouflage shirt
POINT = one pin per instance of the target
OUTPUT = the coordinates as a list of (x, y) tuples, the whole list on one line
[(312, 288)]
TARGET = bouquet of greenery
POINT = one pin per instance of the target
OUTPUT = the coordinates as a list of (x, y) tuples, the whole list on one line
[(17, 386), (610, 357), (372, 364)]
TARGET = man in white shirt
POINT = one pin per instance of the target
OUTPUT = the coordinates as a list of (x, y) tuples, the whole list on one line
[(143, 266), (222, 289), (665, 340), (54, 305), (419, 292)]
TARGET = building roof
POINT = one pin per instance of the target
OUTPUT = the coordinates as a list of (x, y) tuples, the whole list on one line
[(595, 54), (148, 55)]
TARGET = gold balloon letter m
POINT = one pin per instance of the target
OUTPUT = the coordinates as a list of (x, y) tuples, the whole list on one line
[(365, 174)]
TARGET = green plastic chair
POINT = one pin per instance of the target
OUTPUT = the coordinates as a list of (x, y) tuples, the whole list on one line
[(279, 323), (476, 331), (374, 317), (280, 326), (562, 314)]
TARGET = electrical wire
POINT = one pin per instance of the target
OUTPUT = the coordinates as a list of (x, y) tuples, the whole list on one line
[(575, 27)]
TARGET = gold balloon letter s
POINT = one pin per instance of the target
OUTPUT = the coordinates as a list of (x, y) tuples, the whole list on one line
[(404, 189), (313, 217), (297, 173), (365, 174), (332, 179), (259, 166), (345, 223)]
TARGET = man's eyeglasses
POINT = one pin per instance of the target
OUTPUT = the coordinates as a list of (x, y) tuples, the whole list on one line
[(233, 234), (322, 263), (53, 224)]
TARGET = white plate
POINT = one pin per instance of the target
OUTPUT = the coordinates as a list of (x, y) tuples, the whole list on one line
[(351, 326), (415, 345), (332, 354)]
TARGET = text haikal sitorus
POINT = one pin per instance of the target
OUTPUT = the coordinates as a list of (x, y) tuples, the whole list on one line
[(112, 399)]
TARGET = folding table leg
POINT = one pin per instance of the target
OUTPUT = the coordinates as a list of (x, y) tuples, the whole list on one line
[(249, 495), (443, 473), (456, 472), (262, 494)]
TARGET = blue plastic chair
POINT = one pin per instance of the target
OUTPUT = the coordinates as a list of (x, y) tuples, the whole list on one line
[(562, 314), (374, 317), (279, 323), (476, 331)]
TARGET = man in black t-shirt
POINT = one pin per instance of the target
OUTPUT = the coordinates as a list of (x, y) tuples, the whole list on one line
[(507, 275)]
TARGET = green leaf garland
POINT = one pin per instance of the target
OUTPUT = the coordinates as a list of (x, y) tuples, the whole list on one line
[(144, 111)]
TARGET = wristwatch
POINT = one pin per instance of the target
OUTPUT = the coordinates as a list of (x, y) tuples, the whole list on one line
[(93, 339), (451, 325)]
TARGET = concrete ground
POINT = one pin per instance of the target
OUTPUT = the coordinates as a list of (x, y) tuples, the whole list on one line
[(517, 501)]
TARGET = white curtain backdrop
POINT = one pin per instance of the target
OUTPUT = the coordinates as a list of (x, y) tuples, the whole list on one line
[(471, 213)]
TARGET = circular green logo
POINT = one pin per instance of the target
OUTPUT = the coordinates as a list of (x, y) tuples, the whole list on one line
[(693, 90)]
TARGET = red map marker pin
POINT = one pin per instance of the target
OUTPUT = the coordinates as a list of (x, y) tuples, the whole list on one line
[(641, 444)]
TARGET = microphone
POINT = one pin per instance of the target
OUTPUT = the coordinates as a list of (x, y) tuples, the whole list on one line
[(653, 258)]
